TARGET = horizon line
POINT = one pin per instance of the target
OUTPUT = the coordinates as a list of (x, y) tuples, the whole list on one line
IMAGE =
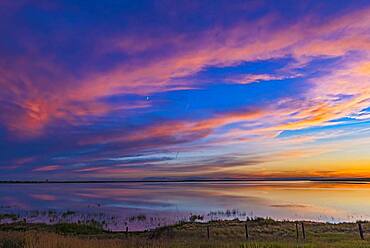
[(313, 179)]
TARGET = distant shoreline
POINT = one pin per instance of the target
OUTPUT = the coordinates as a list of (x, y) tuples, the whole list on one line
[(359, 180)]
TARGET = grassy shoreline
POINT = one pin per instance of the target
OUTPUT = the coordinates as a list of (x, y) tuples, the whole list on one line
[(261, 232)]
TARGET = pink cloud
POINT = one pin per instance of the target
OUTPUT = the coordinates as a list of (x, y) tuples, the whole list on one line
[(47, 168), (43, 99)]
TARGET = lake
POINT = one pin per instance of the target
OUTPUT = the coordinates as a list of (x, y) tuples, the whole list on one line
[(141, 206)]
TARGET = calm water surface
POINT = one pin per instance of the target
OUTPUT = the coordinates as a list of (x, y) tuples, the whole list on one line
[(147, 205)]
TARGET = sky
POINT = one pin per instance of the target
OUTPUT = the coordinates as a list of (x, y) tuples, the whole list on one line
[(184, 89)]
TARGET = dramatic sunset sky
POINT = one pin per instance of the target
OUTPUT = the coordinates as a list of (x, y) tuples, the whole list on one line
[(184, 89)]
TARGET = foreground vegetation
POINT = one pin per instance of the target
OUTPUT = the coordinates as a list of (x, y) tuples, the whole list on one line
[(263, 233)]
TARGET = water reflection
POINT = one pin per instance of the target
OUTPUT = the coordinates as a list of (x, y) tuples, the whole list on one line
[(118, 205)]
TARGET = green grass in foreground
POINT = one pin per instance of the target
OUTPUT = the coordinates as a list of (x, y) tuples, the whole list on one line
[(263, 234)]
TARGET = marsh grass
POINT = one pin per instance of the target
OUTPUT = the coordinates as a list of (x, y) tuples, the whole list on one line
[(223, 234)]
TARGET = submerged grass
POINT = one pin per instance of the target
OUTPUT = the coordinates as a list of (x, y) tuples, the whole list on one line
[(222, 234)]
